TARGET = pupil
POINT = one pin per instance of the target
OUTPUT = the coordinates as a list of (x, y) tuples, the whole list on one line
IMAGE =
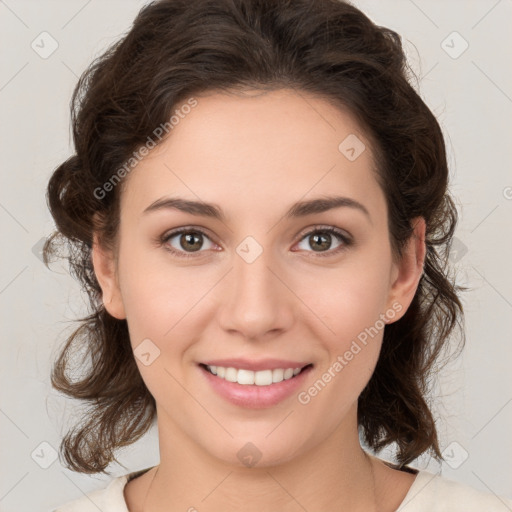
[(317, 237), (189, 238)]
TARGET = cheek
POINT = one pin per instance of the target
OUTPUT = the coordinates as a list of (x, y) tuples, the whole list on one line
[(353, 308), (338, 385), (351, 299), (156, 296), (159, 303)]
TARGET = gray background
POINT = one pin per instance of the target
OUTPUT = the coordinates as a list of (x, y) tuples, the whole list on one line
[(470, 92)]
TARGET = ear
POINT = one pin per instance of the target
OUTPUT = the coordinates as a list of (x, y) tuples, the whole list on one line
[(103, 261), (406, 273)]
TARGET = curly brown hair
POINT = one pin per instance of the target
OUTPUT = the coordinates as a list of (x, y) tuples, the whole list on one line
[(177, 48)]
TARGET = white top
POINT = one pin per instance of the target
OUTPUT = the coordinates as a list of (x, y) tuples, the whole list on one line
[(429, 493)]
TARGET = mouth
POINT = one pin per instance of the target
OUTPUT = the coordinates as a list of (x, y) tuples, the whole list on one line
[(255, 389), (261, 378)]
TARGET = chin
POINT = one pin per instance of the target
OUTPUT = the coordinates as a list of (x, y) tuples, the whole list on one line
[(256, 451)]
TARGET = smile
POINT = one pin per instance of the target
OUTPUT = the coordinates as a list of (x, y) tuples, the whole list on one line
[(249, 377), (258, 388)]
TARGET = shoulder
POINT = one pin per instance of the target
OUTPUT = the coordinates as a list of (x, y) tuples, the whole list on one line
[(435, 493), (109, 499)]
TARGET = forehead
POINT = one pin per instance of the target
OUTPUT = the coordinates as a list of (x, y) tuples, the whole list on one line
[(258, 149)]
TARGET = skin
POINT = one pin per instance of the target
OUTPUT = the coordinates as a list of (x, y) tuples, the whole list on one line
[(254, 155)]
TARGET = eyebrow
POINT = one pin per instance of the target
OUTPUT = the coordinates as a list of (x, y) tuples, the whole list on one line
[(299, 209)]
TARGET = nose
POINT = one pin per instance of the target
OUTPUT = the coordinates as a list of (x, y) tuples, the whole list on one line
[(255, 300)]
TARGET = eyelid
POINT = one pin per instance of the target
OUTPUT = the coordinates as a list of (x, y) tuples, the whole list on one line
[(185, 229), (326, 228)]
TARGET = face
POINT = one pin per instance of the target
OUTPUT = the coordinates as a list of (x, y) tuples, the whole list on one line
[(257, 287)]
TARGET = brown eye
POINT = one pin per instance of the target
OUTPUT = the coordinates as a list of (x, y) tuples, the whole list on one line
[(183, 241), (190, 241), (321, 241)]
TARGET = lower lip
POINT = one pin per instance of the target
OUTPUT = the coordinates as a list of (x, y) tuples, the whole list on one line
[(252, 396)]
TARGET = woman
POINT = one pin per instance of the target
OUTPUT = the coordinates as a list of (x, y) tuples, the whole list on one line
[(258, 210)]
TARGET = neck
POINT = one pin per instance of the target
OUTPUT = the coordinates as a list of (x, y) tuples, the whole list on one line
[(335, 474)]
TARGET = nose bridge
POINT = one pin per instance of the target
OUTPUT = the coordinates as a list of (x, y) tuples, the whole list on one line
[(256, 300)]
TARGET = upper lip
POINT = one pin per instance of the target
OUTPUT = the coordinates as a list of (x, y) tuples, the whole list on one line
[(263, 364)]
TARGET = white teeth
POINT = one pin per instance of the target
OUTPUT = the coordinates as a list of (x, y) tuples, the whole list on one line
[(244, 376), (278, 375), (248, 377), (288, 373), (231, 374), (263, 377)]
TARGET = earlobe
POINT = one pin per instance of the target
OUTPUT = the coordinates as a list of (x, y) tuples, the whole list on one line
[(105, 271), (407, 273)]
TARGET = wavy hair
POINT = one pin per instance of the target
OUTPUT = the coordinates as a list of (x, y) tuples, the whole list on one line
[(178, 48)]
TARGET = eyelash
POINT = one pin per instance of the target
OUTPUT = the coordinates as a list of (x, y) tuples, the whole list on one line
[(346, 241)]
